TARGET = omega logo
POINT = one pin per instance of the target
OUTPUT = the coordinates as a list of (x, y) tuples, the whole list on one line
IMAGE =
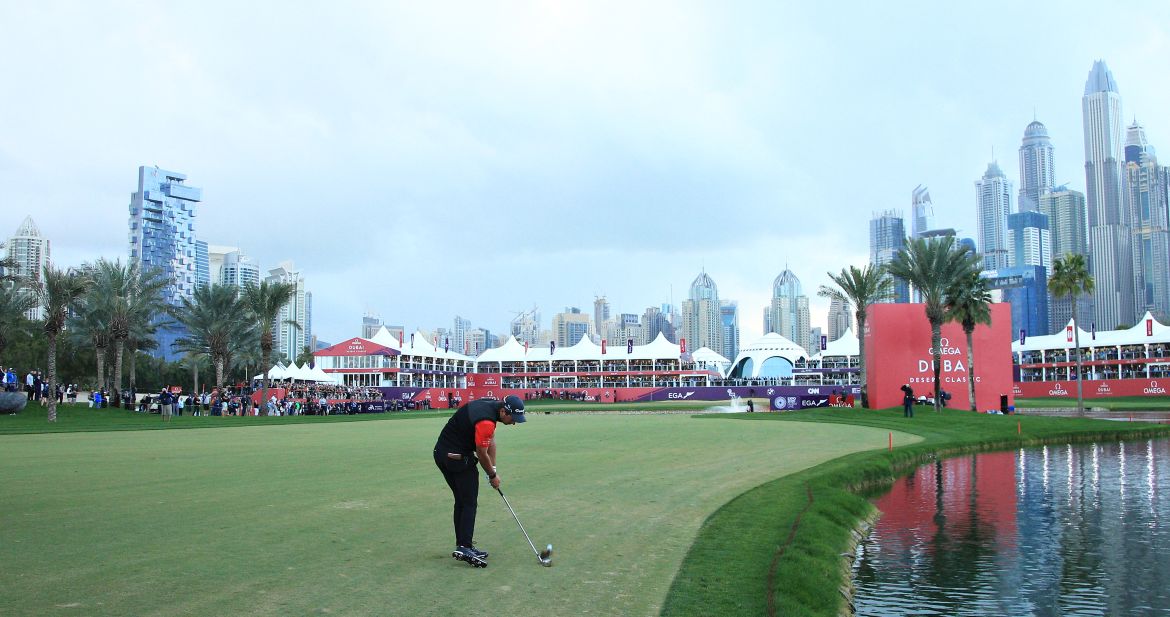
[(1154, 388)]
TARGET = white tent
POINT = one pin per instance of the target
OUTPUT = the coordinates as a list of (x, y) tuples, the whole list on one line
[(276, 372), (846, 345)]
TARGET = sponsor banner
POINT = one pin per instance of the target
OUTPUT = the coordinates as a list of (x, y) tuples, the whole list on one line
[(898, 351), (1093, 388), (806, 396)]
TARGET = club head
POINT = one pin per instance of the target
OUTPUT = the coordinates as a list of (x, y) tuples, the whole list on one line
[(546, 556)]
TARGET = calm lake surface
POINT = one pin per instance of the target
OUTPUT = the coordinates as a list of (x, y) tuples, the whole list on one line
[(1060, 530)]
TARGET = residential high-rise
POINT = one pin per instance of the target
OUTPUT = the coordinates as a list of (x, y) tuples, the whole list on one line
[(790, 317), (459, 341), (1025, 288), (1110, 242), (1146, 197), (600, 314), (700, 315), (922, 210), (29, 252), (887, 236), (1065, 209), (293, 328), (1028, 240), (526, 327), (202, 265), (371, 323), (570, 327), (814, 336), (238, 270), (162, 237), (729, 321), (840, 318), (655, 322), (993, 203), (1037, 171)]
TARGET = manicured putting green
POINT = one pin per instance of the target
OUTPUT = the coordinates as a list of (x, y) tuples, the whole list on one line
[(354, 518)]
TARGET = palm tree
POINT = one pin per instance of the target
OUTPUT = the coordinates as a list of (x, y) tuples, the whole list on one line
[(969, 303), (264, 303), (60, 291), (859, 288), (135, 297), (15, 302), (1071, 277), (214, 322), (932, 265), (90, 325)]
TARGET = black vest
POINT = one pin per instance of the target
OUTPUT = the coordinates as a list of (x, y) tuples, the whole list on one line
[(459, 433)]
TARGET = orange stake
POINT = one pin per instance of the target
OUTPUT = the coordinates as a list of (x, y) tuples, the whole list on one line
[(891, 442)]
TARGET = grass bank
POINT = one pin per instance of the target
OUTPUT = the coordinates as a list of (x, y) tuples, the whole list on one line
[(1136, 404), (777, 549)]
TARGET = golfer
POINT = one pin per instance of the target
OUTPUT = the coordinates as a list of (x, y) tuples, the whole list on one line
[(467, 439)]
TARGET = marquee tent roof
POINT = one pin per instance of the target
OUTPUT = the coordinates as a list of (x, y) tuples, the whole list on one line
[(846, 345), (585, 349), (1158, 333)]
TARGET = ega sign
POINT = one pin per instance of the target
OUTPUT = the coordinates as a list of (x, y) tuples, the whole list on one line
[(898, 351)]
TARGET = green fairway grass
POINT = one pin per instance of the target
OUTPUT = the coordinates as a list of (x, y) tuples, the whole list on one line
[(353, 518)]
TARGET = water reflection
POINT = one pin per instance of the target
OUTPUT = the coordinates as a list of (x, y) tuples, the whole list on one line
[(1069, 530)]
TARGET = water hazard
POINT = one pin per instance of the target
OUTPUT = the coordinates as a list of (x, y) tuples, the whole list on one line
[(1066, 530)]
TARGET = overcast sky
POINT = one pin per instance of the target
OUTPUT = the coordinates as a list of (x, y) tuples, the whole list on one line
[(431, 159)]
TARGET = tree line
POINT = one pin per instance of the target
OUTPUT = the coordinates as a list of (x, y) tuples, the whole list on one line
[(111, 312)]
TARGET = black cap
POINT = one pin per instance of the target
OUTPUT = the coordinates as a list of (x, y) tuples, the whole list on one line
[(515, 407)]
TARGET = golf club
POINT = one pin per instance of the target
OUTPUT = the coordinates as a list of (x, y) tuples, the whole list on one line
[(545, 556)]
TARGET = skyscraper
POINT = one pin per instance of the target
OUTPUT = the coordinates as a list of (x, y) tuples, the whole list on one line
[(570, 327), (162, 237), (1028, 240), (600, 314), (790, 316), (1065, 209), (371, 324), (840, 318), (993, 203), (655, 322), (1109, 234), (29, 252), (1146, 197), (202, 264), (700, 315), (293, 328), (922, 210), (459, 342), (887, 236), (237, 269), (729, 321), (1037, 167)]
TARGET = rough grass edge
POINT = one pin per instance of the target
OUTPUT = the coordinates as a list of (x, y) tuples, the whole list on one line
[(815, 576)]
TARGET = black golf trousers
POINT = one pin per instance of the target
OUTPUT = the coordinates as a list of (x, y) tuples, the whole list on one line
[(462, 477)]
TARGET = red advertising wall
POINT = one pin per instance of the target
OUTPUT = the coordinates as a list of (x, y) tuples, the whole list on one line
[(897, 351), (1092, 388)]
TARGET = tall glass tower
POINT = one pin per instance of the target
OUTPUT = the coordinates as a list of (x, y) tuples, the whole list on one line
[(790, 316), (1109, 234), (162, 236), (923, 211), (729, 321), (700, 315), (887, 236), (1146, 197), (1037, 173), (993, 203), (29, 252)]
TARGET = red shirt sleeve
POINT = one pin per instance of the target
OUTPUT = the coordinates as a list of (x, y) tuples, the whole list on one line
[(484, 430)]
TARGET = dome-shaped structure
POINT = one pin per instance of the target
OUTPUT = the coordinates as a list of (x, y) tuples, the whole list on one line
[(1035, 130), (704, 288), (786, 285), (770, 356)]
